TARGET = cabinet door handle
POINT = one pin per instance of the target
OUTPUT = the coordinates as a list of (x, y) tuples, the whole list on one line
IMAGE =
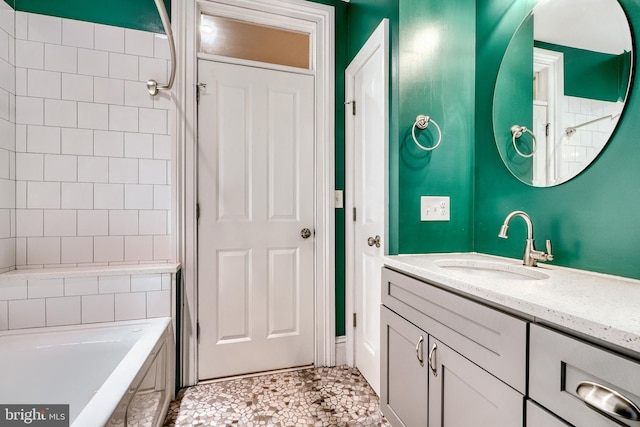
[(419, 351), (608, 401), (432, 360)]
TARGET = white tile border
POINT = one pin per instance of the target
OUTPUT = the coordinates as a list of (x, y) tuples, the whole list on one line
[(111, 270)]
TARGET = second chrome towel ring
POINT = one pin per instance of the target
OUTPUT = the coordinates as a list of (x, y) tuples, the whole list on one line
[(516, 132), (421, 123)]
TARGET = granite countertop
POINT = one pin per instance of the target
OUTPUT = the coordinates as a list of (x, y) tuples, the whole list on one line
[(602, 307)]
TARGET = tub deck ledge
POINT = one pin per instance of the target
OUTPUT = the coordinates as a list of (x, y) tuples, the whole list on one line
[(93, 270)]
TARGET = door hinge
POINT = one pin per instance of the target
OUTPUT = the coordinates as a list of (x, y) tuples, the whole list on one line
[(354, 320), (198, 332), (354, 214), (200, 87), (353, 107), (197, 211)]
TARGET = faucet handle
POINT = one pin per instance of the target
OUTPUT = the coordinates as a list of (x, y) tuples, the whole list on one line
[(549, 254)]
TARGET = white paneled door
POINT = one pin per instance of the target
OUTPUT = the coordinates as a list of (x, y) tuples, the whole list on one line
[(255, 231), (367, 136)]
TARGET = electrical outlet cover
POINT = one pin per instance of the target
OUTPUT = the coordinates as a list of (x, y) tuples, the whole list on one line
[(435, 208)]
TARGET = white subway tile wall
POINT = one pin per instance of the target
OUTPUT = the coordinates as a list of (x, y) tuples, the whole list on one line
[(84, 170), (27, 313), (581, 148), (76, 300), (90, 150), (8, 160)]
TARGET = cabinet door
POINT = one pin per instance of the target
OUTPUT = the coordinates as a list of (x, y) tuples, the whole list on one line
[(538, 417), (463, 394), (403, 377)]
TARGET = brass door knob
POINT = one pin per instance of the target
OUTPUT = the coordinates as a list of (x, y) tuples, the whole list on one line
[(374, 241)]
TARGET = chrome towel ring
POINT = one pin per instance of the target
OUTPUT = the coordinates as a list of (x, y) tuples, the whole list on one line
[(421, 123), (516, 132)]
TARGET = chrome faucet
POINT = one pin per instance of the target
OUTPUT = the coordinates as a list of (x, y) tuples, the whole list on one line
[(531, 255)]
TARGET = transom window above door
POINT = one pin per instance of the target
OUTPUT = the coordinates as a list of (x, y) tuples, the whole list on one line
[(246, 40)]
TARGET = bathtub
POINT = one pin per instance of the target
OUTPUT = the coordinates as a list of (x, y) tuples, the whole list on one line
[(115, 374)]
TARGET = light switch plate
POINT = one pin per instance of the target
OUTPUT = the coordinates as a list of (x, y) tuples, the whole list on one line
[(435, 208), (338, 199)]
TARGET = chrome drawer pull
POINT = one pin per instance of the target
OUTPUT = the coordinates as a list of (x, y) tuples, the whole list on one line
[(608, 401), (419, 351), (432, 360)]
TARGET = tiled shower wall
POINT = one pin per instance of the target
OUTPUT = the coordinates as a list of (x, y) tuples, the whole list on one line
[(92, 162), (7, 139), (35, 302)]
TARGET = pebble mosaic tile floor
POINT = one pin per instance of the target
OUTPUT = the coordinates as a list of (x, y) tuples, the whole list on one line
[(144, 409), (337, 396)]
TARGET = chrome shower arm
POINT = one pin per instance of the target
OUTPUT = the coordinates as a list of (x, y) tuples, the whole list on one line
[(153, 86), (572, 129)]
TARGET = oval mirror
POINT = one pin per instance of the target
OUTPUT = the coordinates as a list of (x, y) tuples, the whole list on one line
[(561, 88)]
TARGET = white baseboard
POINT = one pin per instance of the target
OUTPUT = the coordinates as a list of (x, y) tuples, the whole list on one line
[(341, 350)]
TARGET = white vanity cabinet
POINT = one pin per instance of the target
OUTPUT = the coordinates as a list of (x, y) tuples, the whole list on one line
[(448, 361), (551, 362)]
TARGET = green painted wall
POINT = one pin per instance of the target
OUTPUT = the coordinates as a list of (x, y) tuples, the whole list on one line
[(437, 63), (590, 219), (136, 14)]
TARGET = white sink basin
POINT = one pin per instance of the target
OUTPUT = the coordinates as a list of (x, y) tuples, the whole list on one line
[(493, 270)]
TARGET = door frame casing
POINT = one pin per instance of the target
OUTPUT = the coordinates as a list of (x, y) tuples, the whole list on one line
[(379, 39), (321, 17), (553, 63)]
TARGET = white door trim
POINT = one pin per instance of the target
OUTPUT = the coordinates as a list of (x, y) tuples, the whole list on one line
[(378, 40), (551, 162), (184, 22)]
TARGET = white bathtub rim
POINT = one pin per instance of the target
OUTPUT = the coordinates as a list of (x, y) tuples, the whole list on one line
[(105, 402), (67, 328)]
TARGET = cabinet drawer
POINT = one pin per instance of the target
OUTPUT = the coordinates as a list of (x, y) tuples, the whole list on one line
[(491, 339), (560, 364)]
